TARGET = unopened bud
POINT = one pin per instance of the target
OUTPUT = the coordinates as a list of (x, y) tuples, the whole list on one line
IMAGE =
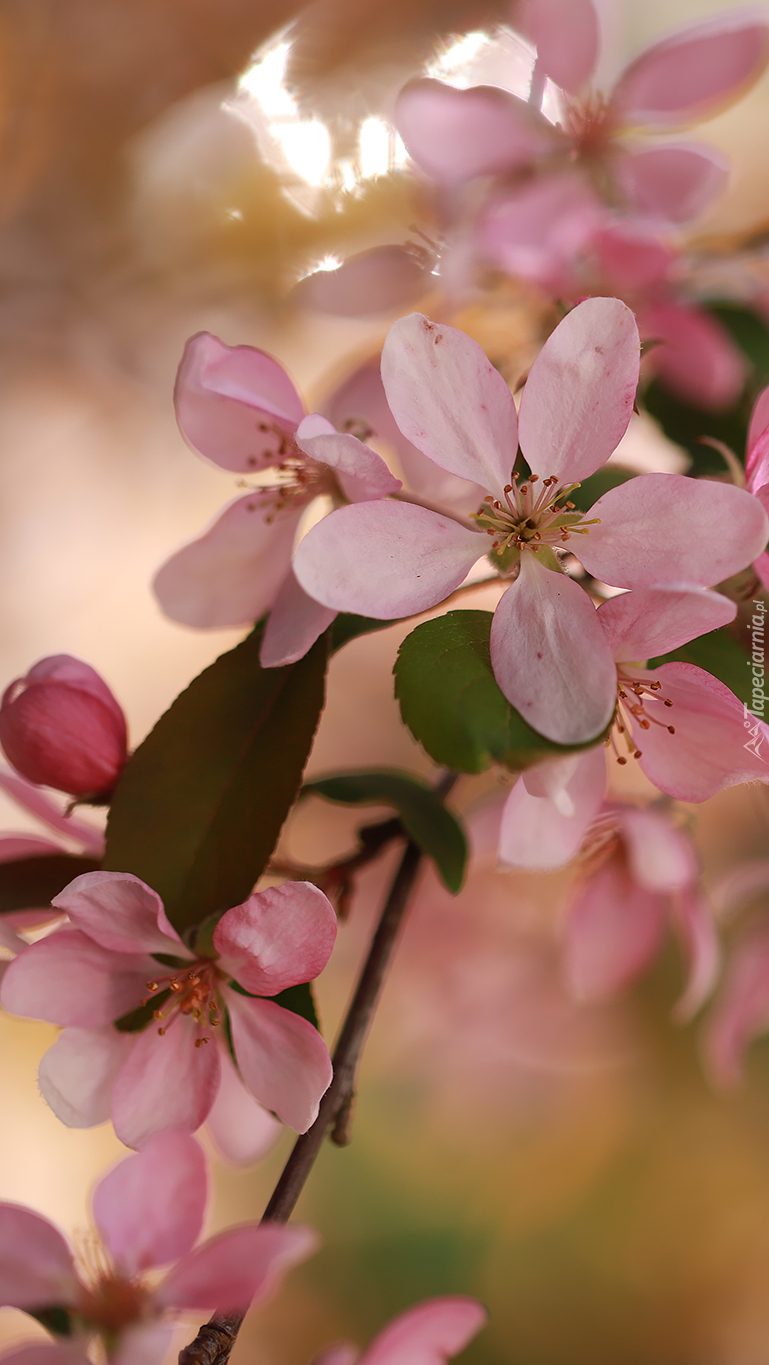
[(61, 727)]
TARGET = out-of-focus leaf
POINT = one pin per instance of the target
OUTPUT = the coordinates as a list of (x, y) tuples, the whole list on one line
[(425, 818), (749, 330), (199, 807), (718, 653), (451, 702), (686, 425), (31, 883), (594, 487), (348, 627)]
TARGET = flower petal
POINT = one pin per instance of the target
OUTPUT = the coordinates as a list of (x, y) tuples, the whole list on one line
[(695, 355), (566, 36), (579, 396), (660, 857), (361, 473), (277, 938), (428, 1334), (538, 230), (651, 621), (31, 798), (717, 743), (455, 135), (666, 528), (294, 624), (546, 831), (282, 1059), (120, 912), (240, 1266), (233, 573), (692, 74), (69, 979), (385, 559), (146, 1343), (241, 1129), (149, 1208), (166, 1082), (77, 1074), (693, 921), (613, 930), (550, 656), (677, 182), (449, 401), (233, 403), (759, 424), (379, 280), (741, 1011), (36, 1269), (48, 1353)]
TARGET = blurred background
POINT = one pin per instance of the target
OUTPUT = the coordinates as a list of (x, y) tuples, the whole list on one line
[(168, 166)]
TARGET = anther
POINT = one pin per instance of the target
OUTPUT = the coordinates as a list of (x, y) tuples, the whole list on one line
[(200, 1041), (152, 985), (654, 686), (671, 729), (622, 761), (533, 478), (667, 701)]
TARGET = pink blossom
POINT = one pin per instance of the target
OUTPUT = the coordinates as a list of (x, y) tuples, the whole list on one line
[(757, 469), (149, 1212), (118, 952), (238, 408), (390, 559), (430, 1333), (61, 727)]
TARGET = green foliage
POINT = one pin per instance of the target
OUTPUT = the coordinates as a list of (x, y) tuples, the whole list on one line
[(425, 818), (451, 702), (348, 627), (718, 653), (31, 883)]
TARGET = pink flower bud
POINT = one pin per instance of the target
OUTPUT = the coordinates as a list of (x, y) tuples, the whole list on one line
[(60, 726)]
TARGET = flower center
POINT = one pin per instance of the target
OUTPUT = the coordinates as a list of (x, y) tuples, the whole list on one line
[(531, 518), (590, 126), (633, 705), (107, 1301), (191, 992), (602, 842), (297, 478)]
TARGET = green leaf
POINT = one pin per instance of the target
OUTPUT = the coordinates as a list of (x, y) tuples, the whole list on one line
[(299, 999), (750, 332), (686, 425), (718, 653), (200, 804), (451, 702), (594, 487), (348, 627), (32, 883), (425, 818)]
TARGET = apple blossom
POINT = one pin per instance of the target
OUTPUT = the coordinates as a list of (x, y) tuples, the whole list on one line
[(150, 1069), (60, 726), (238, 408), (149, 1212), (430, 1333), (390, 559)]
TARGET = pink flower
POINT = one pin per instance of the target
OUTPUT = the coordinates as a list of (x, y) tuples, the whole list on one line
[(391, 559), (741, 1009), (639, 874), (149, 1212), (237, 407), (757, 469), (430, 1333), (119, 952), (61, 727)]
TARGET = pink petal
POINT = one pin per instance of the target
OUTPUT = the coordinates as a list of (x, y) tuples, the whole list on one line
[(37, 803), (741, 1011), (716, 744), (693, 921), (613, 930), (36, 1269), (240, 1266), (281, 1057), (277, 938), (580, 392), (235, 403), (692, 74), (145, 1343), (449, 401), (757, 459), (761, 566), (241, 1130), (632, 258), (14, 846), (77, 1074), (385, 559), (677, 182), (545, 831), (697, 358), (379, 280), (428, 1334), (48, 1353), (232, 575), (149, 1208), (455, 135), (565, 34), (550, 656), (69, 979), (342, 1353), (652, 621), (360, 472), (294, 624), (120, 912), (759, 423), (166, 1082), (666, 528), (537, 231), (660, 857)]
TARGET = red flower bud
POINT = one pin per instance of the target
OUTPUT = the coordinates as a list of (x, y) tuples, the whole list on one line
[(60, 726)]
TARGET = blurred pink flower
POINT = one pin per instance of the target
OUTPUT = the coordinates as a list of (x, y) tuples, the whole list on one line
[(149, 1211), (740, 1011), (61, 727), (391, 559), (237, 407), (119, 952), (430, 1333)]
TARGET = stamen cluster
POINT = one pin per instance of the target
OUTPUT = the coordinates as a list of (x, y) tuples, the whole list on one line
[(531, 518)]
